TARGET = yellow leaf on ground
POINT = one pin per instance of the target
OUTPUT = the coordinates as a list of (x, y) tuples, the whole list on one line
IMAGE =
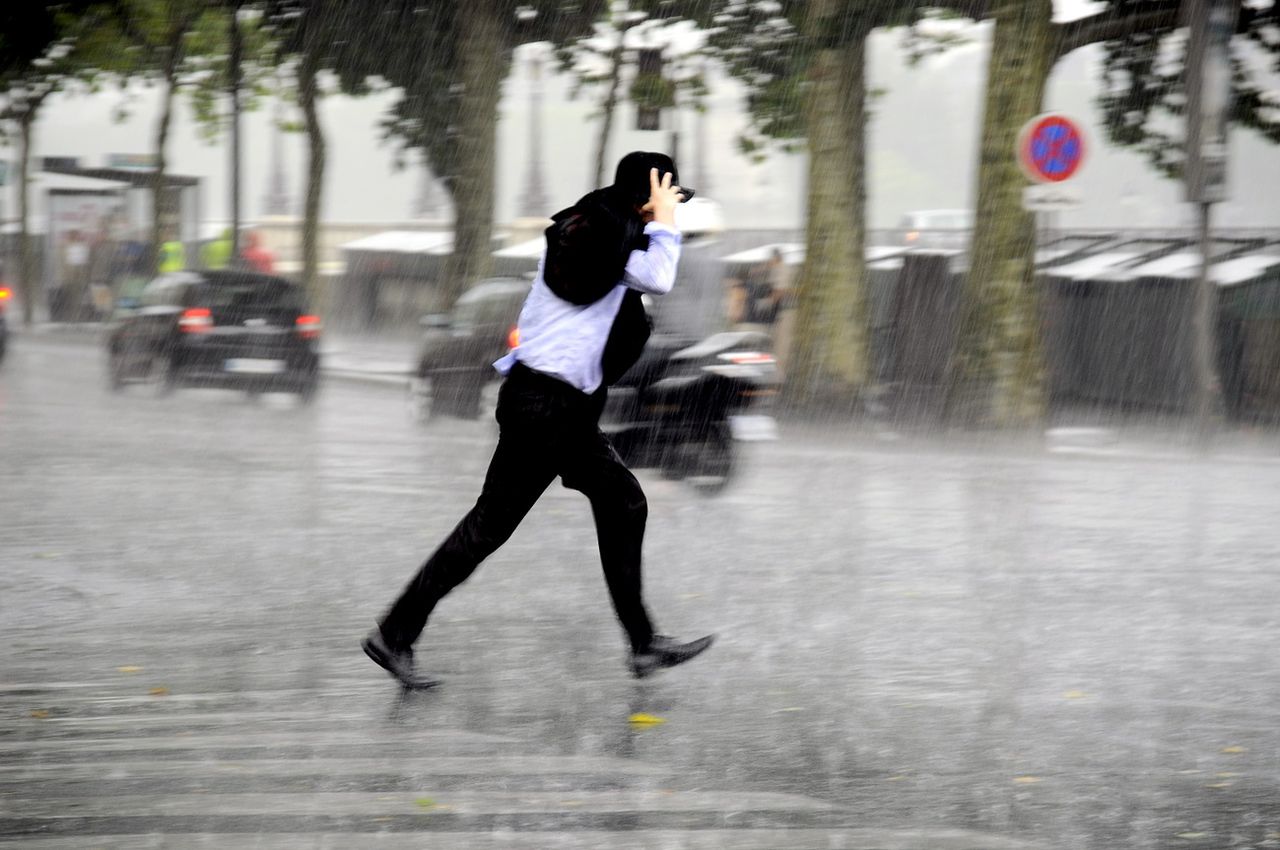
[(128, 668), (425, 803), (1234, 750), (39, 713), (1074, 695), (1026, 780), (644, 720), (159, 692)]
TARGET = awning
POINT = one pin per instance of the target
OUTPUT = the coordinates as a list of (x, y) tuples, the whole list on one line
[(793, 253), (405, 242)]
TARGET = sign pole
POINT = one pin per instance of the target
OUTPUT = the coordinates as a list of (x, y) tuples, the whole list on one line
[(1208, 81)]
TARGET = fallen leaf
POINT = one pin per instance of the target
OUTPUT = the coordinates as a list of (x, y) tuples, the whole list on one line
[(1234, 750), (159, 692), (1074, 695), (1219, 785), (1026, 780), (644, 720), (39, 713), (896, 779), (128, 668), (425, 803)]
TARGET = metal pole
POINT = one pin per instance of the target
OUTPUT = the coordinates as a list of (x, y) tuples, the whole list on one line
[(1208, 396), (234, 60), (1208, 85)]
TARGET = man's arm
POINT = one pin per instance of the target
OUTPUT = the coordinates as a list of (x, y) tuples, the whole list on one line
[(654, 270)]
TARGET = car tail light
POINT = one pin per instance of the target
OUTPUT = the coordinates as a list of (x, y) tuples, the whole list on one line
[(308, 327), (5, 295), (196, 320), (513, 337), (742, 358), (913, 236)]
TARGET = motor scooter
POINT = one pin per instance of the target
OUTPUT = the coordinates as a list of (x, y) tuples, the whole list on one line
[(682, 407)]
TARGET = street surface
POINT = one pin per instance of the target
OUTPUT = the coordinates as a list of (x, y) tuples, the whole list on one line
[(922, 644)]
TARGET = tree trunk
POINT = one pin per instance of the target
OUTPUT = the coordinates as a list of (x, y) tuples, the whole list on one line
[(26, 257), (609, 108), (829, 366), (308, 69), (485, 59), (234, 60), (997, 370), (159, 201)]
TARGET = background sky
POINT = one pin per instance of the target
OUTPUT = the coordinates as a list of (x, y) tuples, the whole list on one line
[(922, 142)]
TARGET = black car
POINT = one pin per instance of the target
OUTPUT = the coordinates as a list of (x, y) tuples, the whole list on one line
[(455, 361), (230, 329)]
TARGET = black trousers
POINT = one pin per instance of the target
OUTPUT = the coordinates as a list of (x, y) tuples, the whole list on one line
[(547, 428)]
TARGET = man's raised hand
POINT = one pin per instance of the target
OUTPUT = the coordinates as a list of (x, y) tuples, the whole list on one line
[(663, 198)]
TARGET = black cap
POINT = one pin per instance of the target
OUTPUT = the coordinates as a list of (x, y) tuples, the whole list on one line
[(632, 176)]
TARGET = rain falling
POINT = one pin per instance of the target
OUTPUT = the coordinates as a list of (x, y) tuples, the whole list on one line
[(640, 424)]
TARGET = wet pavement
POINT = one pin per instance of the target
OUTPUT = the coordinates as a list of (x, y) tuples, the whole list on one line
[(922, 644)]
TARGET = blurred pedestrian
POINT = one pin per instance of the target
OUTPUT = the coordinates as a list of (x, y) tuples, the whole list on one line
[(256, 256), (581, 327), (759, 299), (216, 253)]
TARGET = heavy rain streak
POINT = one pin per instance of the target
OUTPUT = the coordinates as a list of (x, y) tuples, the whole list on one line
[(636, 424)]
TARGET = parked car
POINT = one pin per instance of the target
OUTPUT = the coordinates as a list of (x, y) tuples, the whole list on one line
[(937, 229), (455, 360), (230, 329)]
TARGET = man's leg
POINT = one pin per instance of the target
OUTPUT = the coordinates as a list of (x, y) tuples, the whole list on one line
[(520, 471), (620, 510)]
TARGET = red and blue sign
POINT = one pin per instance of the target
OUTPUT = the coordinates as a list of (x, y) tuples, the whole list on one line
[(1050, 148)]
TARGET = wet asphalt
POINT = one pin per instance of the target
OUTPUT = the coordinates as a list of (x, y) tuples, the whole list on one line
[(922, 642)]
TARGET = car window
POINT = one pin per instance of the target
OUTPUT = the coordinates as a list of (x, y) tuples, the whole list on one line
[(159, 293), (246, 294)]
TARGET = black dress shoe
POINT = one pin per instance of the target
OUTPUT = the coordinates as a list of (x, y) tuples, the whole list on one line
[(666, 652), (397, 662)]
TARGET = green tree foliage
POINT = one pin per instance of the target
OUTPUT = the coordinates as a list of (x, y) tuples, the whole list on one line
[(168, 42), (601, 60), (997, 376), (448, 60), (1143, 93), (312, 37), (803, 62), (43, 48)]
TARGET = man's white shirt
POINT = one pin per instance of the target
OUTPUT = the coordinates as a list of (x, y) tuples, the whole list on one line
[(566, 340)]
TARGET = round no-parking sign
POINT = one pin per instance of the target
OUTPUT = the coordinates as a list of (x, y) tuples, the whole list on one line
[(1050, 148)]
